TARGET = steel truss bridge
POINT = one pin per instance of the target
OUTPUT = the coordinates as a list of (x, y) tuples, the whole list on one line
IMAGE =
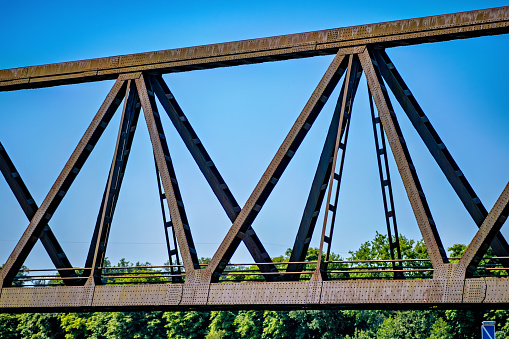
[(186, 283)]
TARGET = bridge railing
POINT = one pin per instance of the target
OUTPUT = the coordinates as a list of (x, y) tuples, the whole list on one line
[(250, 272)]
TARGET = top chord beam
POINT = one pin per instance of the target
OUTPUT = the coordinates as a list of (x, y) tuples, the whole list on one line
[(436, 28)]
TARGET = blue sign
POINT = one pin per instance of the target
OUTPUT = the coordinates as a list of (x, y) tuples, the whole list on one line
[(488, 331)]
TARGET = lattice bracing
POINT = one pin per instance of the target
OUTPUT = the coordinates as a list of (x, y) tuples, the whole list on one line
[(359, 53)]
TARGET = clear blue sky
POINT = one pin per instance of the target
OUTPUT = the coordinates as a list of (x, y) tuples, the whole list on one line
[(242, 114)]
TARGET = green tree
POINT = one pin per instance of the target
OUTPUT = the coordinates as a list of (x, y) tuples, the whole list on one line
[(278, 324), (378, 249), (360, 334), (407, 324), (222, 325), (249, 324), (143, 325), (441, 330), (456, 250), (85, 325), (8, 326), (40, 326), (366, 322), (321, 323), (465, 324), (189, 324)]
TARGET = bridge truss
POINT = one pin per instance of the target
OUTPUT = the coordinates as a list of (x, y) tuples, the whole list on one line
[(188, 284)]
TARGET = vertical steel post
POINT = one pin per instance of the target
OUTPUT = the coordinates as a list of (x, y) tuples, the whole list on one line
[(321, 267), (171, 244)]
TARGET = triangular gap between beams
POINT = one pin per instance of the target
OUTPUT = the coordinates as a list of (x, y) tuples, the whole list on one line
[(282, 178), (208, 169), (438, 150), (378, 181), (281, 101), (309, 223), (277, 166), (137, 232)]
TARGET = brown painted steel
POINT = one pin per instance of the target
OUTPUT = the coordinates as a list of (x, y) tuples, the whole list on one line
[(342, 118), (163, 160), (374, 294), (394, 33), (386, 187)]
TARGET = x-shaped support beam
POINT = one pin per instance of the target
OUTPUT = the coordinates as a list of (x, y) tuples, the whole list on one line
[(29, 206), (64, 181)]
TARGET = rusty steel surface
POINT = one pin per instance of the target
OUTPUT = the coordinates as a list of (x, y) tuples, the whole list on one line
[(373, 294), (387, 34), (314, 284)]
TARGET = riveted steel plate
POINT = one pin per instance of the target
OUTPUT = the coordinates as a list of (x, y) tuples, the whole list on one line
[(448, 288), (196, 288), (474, 290), (37, 297), (314, 289), (497, 291), (129, 295), (173, 294), (437, 291), (261, 293), (376, 291), (448, 291)]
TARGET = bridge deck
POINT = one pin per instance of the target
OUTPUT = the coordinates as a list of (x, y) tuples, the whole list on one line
[(428, 293)]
